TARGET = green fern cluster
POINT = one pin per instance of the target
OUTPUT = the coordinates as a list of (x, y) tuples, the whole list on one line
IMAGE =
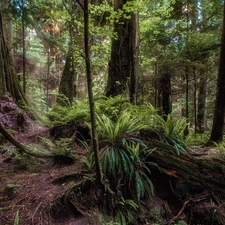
[(62, 114), (66, 114), (123, 155), (169, 130), (172, 133), (125, 209), (111, 106)]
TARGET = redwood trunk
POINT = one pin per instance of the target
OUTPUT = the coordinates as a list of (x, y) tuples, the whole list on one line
[(8, 79), (124, 63), (218, 120)]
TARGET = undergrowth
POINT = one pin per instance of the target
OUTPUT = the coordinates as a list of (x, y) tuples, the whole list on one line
[(125, 155)]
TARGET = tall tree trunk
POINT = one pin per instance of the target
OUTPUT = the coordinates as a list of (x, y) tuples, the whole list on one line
[(124, 63), (134, 57), (165, 93), (201, 105), (186, 132), (90, 94), (67, 83), (8, 79), (218, 120)]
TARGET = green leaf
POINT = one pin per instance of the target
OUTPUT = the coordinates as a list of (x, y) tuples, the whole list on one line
[(16, 220)]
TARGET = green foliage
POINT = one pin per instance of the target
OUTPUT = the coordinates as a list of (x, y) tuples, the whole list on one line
[(47, 142), (197, 139), (173, 128), (63, 150), (172, 132), (123, 155), (147, 114), (168, 129), (111, 106), (88, 162), (63, 115), (16, 156), (80, 109), (36, 97), (125, 125), (125, 209), (63, 100), (16, 220)]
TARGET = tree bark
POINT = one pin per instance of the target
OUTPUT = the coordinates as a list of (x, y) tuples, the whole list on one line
[(218, 120), (195, 179), (201, 105), (124, 63), (8, 79), (23, 148), (165, 93), (90, 95), (67, 84)]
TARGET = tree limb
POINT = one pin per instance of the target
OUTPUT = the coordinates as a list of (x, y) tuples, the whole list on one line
[(23, 148)]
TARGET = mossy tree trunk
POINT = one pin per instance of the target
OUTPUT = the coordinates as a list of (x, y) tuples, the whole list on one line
[(191, 184), (67, 84), (124, 63), (197, 172), (8, 78), (69, 77)]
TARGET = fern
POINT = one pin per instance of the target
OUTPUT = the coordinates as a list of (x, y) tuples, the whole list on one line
[(66, 114), (171, 132), (16, 220), (111, 106), (125, 209), (123, 156), (124, 125), (88, 161)]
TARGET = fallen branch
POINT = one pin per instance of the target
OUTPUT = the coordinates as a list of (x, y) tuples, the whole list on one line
[(178, 215), (23, 148)]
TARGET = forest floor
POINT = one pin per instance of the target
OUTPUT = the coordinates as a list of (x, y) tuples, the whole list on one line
[(28, 191), (26, 185)]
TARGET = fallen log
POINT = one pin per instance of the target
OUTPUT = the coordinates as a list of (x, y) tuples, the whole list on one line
[(192, 180), (23, 149)]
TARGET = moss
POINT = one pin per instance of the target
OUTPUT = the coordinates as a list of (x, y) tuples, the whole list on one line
[(180, 222)]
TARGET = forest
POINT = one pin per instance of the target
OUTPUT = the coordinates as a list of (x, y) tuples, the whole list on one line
[(112, 112)]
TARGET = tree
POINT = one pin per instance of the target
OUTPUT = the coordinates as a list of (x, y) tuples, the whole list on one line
[(67, 83), (9, 80), (164, 92), (218, 119), (124, 63), (90, 94)]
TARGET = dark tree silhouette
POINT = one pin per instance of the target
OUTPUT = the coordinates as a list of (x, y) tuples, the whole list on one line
[(218, 120)]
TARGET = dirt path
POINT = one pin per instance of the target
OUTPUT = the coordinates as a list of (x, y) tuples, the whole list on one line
[(30, 192)]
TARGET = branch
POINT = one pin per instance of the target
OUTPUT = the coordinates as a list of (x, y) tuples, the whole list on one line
[(23, 148), (178, 215), (79, 3)]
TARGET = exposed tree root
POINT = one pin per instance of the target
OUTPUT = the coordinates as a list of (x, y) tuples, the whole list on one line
[(23, 149), (179, 215)]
